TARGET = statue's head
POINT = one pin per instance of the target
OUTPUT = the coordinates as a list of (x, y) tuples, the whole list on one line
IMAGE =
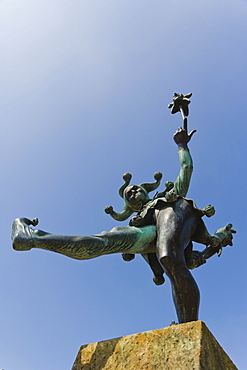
[(135, 196)]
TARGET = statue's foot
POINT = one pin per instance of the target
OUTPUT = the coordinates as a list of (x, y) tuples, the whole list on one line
[(173, 323), (158, 279), (22, 234), (20, 245)]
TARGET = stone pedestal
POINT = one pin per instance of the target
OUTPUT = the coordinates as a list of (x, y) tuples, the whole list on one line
[(189, 346)]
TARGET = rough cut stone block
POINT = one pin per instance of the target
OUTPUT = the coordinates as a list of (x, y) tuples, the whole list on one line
[(189, 346)]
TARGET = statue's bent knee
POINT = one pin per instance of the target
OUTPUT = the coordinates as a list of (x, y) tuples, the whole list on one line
[(171, 265)]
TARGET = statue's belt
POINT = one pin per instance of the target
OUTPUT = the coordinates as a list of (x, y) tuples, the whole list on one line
[(147, 212)]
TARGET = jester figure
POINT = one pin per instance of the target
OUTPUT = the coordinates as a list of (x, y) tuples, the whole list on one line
[(162, 230)]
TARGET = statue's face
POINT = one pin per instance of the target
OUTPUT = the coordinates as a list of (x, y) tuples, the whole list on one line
[(135, 195)]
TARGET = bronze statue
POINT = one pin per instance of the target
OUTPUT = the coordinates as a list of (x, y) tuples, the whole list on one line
[(162, 230)]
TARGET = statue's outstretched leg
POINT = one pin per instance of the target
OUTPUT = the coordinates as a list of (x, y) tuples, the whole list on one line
[(123, 239), (174, 229)]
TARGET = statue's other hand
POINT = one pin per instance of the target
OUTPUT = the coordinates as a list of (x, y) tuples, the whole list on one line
[(109, 210), (225, 235)]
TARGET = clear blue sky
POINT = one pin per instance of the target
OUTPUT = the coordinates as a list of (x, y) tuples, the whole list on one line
[(84, 92)]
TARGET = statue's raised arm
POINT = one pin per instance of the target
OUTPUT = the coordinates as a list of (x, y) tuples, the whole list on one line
[(181, 138)]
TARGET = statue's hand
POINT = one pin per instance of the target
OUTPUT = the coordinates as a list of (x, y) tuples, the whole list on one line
[(181, 136), (221, 238), (225, 235), (109, 210)]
